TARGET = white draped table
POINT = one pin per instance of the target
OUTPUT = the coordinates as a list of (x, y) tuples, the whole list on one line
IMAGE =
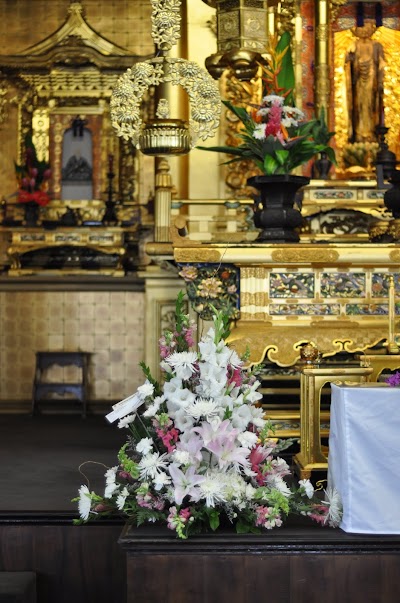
[(364, 456)]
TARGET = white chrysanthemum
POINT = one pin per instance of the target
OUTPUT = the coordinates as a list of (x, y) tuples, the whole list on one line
[(202, 408), (277, 482), (181, 457), (153, 409), (272, 99), (259, 132), (151, 464), (146, 390), (250, 492), (126, 421), (144, 446), (85, 502), (183, 363), (248, 439), (161, 479), (212, 489), (334, 501), (234, 486), (111, 485), (308, 487), (121, 498)]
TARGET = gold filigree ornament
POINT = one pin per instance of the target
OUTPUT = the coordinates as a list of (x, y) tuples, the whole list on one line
[(164, 135)]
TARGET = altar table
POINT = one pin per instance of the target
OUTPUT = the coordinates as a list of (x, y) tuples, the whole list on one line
[(364, 456)]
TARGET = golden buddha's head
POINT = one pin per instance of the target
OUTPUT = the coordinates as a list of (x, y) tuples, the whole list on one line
[(366, 30)]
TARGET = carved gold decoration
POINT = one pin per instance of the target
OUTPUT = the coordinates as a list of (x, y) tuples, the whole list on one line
[(163, 136), (107, 241), (394, 230), (286, 256), (281, 344), (311, 456), (379, 363), (239, 94), (335, 6), (378, 230), (394, 255)]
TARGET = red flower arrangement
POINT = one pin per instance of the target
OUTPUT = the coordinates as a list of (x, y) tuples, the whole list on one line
[(32, 176)]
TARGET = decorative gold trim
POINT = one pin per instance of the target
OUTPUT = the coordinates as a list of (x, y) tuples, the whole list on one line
[(315, 256)]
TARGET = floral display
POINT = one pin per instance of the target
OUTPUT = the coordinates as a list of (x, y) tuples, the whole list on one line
[(199, 450), (393, 380), (32, 176), (275, 135)]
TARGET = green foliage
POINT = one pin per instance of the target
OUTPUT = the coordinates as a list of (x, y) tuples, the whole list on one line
[(286, 77), (127, 463)]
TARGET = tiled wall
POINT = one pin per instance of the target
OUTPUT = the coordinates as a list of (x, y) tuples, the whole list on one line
[(108, 324)]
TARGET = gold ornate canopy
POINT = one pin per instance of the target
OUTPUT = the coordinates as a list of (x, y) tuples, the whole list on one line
[(72, 72)]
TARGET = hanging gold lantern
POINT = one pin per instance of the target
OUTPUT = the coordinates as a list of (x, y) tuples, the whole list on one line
[(165, 135), (242, 31)]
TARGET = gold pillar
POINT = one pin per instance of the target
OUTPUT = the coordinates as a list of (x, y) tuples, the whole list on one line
[(322, 80), (179, 108), (162, 202), (271, 20)]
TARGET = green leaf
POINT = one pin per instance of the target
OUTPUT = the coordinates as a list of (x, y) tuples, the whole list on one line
[(281, 156), (270, 165), (286, 78), (213, 519)]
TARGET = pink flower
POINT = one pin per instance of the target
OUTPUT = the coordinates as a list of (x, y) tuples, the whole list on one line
[(267, 517), (273, 126)]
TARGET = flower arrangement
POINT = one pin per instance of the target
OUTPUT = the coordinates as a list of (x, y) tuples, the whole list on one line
[(275, 134), (32, 176), (199, 448)]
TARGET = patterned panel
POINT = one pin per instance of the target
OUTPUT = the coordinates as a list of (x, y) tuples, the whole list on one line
[(369, 309), (380, 284), (343, 284), (287, 284), (305, 309)]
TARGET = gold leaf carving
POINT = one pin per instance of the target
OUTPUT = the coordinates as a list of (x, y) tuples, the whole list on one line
[(304, 255)]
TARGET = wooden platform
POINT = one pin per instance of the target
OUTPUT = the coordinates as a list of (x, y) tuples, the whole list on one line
[(293, 564)]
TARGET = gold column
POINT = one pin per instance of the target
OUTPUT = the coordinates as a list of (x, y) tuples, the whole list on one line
[(322, 80), (271, 20), (179, 108), (162, 202)]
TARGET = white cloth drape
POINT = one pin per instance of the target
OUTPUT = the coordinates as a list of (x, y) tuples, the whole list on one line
[(364, 456)]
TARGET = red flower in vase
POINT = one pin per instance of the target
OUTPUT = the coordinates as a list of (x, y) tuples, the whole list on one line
[(33, 177)]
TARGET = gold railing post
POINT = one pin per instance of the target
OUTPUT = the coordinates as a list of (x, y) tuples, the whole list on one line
[(322, 80)]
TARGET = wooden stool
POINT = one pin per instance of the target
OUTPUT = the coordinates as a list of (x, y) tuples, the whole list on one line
[(42, 389)]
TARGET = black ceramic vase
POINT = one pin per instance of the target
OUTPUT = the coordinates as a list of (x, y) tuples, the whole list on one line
[(323, 165), (31, 213), (275, 213)]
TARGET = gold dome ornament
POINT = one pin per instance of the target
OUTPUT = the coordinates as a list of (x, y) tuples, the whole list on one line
[(165, 135)]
